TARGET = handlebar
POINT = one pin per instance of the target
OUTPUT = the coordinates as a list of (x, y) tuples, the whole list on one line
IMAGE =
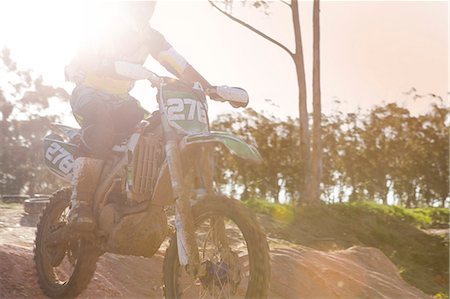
[(155, 79), (236, 96)]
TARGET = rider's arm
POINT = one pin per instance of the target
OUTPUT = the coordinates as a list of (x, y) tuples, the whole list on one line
[(168, 57), (88, 60)]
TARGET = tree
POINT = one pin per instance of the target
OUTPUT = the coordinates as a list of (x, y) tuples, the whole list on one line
[(316, 162), (385, 155), (434, 137), (310, 192), (23, 100)]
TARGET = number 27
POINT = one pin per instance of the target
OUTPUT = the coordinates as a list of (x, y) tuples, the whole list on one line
[(176, 108)]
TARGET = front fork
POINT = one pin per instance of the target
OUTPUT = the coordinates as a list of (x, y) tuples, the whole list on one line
[(188, 253), (184, 222)]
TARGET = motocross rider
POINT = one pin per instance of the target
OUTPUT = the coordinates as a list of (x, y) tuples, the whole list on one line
[(100, 101)]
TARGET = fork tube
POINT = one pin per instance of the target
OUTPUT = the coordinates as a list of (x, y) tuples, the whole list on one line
[(184, 222)]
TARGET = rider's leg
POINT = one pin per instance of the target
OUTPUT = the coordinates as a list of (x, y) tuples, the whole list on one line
[(104, 119), (96, 140), (85, 178)]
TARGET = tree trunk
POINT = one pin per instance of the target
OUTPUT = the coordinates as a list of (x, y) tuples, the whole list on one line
[(297, 56), (385, 196), (245, 194), (408, 201), (316, 167), (412, 194), (277, 196), (305, 145), (443, 200), (353, 196), (276, 199)]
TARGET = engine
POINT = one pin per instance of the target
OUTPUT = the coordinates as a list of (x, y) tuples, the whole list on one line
[(141, 233)]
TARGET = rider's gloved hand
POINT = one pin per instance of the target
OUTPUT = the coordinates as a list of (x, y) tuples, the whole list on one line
[(237, 96), (213, 95)]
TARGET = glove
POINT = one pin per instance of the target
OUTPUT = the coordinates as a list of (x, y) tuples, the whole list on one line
[(237, 97)]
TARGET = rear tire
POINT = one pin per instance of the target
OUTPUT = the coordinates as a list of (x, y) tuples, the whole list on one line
[(246, 232), (54, 280)]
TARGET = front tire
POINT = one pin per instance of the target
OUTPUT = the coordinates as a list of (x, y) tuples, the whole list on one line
[(65, 270), (248, 276)]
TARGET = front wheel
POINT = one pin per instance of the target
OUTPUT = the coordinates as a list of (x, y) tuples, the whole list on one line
[(233, 252), (64, 270)]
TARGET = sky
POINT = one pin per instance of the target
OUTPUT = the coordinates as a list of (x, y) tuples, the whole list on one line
[(372, 52)]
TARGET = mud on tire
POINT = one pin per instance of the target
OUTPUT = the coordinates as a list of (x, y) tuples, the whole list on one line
[(252, 237), (53, 281)]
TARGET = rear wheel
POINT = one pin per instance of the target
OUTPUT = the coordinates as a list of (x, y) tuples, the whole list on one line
[(233, 252), (63, 270)]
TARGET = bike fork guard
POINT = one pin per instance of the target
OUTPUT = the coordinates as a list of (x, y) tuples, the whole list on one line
[(186, 242)]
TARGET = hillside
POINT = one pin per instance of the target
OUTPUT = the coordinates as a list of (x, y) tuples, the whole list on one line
[(403, 235)]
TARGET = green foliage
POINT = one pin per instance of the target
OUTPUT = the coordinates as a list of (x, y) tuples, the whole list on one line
[(440, 296), (280, 212), (411, 216), (386, 153), (439, 217), (420, 217)]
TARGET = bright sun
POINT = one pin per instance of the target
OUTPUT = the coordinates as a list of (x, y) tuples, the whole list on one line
[(45, 35), (47, 29), (51, 30)]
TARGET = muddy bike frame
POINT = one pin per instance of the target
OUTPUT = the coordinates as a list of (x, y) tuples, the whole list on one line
[(58, 156), (184, 223), (175, 145)]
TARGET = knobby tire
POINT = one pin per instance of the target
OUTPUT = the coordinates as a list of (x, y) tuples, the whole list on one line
[(258, 250), (86, 259)]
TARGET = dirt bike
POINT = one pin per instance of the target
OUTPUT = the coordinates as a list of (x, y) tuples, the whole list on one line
[(216, 247)]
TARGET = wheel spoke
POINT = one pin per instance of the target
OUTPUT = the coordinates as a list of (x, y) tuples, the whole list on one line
[(56, 264), (226, 234), (224, 262)]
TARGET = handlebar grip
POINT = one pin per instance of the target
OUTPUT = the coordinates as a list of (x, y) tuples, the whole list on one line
[(237, 96)]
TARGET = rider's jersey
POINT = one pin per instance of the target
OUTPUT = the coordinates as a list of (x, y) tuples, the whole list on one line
[(93, 65)]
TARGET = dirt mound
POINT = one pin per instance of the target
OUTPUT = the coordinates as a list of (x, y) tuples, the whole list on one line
[(297, 272), (17, 277), (116, 276), (357, 272)]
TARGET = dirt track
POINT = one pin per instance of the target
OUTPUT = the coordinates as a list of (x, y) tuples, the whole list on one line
[(297, 272)]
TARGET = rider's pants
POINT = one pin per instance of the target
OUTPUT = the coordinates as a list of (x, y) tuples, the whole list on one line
[(105, 119)]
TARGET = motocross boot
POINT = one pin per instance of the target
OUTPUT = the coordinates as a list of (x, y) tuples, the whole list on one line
[(86, 174)]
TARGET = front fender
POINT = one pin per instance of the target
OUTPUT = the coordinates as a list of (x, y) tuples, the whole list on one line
[(234, 144), (163, 190)]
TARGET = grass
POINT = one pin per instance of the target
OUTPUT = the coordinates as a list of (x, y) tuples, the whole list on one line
[(422, 258)]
